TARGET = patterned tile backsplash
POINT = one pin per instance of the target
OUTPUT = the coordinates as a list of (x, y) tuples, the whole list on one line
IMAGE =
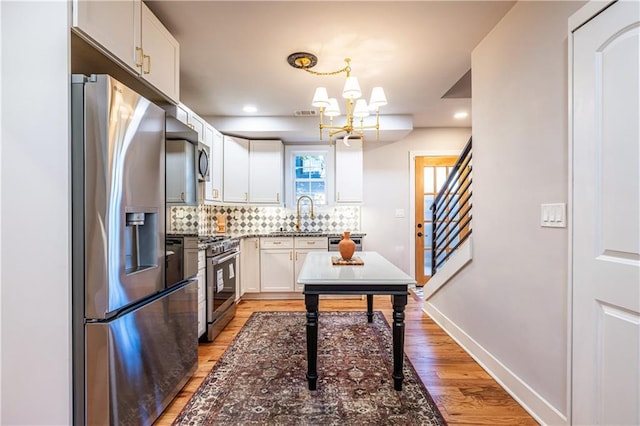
[(262, 219)]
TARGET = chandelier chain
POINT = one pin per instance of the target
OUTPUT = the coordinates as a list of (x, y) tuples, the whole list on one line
[(346, 69)]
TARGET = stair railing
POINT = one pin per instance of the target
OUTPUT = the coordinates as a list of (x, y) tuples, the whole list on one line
[(451, 211)]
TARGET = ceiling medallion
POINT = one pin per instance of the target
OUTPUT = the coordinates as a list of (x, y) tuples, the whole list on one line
[(302, 60)]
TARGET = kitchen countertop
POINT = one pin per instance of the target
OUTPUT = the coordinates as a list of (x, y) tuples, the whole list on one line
[(280, 234), (272, 234)]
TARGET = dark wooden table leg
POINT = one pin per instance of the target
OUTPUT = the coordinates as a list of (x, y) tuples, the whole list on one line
[(369, 307), (311, 302), (399, 303)]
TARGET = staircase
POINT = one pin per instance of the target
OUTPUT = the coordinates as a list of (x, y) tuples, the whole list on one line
[(451, 214)]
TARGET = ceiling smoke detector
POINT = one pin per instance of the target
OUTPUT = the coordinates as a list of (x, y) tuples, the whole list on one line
[(305, 113)]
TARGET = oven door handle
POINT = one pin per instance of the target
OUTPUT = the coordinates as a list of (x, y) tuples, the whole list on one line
[(217, 261)]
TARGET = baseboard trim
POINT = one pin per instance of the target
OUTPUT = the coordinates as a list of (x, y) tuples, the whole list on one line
[(539, 408), (453, 265)]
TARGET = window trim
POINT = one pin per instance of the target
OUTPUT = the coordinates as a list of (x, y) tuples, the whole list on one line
[(290, 152)]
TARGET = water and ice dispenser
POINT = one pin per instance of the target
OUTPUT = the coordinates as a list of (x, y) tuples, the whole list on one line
[(141, 241)]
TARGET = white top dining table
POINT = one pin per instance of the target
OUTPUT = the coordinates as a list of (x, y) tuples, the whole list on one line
[(376, 276)]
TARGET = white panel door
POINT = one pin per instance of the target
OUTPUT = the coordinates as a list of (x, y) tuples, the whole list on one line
[(161, 56), (276, 270), (349, 167), (265, 171), (213, 187), (606, 219), (115, 25), (235, 170)]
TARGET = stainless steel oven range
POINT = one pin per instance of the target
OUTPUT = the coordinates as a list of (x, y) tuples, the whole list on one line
[(222, 270)]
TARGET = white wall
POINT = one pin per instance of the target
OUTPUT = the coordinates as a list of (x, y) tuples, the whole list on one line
[(512, 298), (386, 189), (35, 200)]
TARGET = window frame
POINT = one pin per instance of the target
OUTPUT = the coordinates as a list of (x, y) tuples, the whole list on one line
[(290, 153)]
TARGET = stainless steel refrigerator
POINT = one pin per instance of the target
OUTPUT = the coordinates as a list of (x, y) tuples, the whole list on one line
[(134, 339)]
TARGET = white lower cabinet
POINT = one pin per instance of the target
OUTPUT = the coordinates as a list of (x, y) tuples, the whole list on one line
[(302, 246), (202, 293), (281, 259), (276, 264), (249, 265)]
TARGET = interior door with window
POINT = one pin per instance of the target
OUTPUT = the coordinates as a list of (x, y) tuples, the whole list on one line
[(431, 173)]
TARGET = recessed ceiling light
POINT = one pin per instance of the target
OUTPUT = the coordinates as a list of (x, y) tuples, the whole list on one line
[(249, 108), (460, 115)]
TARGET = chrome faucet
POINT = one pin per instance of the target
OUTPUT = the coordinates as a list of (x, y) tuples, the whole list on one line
[(298, 210)]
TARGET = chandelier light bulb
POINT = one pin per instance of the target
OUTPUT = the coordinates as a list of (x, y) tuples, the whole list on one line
[(320, 98), (361, 110), (378, 98), (351, 88), (333, 110)]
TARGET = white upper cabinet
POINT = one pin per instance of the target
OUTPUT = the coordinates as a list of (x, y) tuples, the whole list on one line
[(160, 64), (130, 33), (115, 26), (236, 170), (265, 171), (349, 167), (197, 124), (214, 185)]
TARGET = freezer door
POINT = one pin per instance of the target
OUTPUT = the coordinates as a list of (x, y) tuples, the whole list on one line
[(137, 363)]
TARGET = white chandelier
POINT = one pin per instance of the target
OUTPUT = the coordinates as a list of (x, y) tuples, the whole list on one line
[(356, 108)]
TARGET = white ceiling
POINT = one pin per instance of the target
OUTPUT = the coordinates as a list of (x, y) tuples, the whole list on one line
[(234, 53)]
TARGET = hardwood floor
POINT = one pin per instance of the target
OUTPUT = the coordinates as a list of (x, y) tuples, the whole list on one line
[(463, 391)]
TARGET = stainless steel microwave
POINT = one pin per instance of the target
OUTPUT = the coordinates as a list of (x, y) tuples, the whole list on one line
[(202, 162)]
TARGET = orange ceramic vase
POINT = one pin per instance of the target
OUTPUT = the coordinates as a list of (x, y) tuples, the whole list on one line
[(346, 246)]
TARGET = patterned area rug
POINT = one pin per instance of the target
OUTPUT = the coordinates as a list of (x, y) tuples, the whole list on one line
[(260, 379)]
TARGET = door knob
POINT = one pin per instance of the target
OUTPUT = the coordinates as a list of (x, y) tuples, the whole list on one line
[(419, 234)]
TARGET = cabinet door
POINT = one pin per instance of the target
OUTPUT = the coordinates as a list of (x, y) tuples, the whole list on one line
[(114, 25), (349, 166), (202, 285), (202, 317), (190, 261), (202, 275), (180, 177), (276, 270), (198, 124), (215, 166), (161, 55), (250, 265), (299, 257), (208, 141), (265, 171), (236, 170)]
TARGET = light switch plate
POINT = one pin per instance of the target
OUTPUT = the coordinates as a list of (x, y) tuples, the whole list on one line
[(553, 215), (399, 212)]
